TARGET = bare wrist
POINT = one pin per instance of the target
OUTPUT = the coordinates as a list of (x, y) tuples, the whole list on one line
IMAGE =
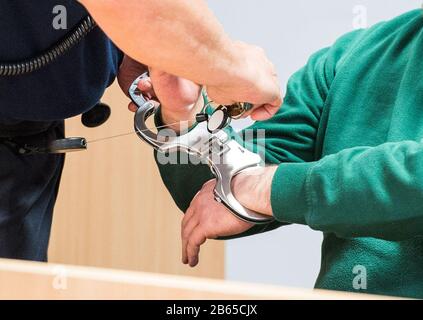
[(179, 120), (252, 188)]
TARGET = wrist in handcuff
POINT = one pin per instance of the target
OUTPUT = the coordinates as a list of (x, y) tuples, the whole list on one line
[(225, 156)]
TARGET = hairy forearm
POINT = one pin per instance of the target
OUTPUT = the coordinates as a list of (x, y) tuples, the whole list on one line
[(181, 37)]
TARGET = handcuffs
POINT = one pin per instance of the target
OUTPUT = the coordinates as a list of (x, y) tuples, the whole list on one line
[(208, 141)]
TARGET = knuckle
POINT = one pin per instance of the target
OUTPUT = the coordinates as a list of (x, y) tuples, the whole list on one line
[(184, 221), (184, 233), (191, 247)]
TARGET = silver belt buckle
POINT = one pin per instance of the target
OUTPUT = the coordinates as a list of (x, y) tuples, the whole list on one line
[(225, 156)]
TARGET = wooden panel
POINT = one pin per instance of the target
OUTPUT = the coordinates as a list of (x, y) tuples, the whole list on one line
[(26, 280), (113, 209)]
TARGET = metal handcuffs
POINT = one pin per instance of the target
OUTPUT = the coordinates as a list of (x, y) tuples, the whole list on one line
[(225, 156)]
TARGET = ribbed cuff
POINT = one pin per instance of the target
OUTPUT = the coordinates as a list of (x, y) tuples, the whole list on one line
[(289, 196)]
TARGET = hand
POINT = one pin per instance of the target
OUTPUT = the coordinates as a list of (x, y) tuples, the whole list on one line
[(177, 97), (128, 72), (207, 219), (258, 84)]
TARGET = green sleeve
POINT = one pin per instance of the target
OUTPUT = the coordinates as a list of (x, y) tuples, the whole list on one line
[(290, 136), (361, 192)]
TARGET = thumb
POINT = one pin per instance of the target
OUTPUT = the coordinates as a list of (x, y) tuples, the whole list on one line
[(264, 112)]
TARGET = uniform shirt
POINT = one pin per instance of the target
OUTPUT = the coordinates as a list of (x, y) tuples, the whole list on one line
[(72, 84), (349, 150)]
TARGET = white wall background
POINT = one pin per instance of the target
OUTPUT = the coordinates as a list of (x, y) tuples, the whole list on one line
[(290, 30)]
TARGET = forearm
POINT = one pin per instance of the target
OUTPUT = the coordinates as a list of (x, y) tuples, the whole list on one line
[(170, 35), (360, 192), (184, 181)]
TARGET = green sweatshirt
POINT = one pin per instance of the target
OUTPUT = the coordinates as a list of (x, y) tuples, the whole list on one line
[(348, 143)]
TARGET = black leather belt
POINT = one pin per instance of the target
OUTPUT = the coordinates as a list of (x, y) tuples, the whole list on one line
[(53, 147), (18, 136)]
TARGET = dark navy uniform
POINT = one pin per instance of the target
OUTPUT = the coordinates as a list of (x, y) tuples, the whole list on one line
[(32, 110)]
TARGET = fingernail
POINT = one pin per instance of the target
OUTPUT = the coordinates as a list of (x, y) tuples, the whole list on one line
[(194, 262), (146, 83)]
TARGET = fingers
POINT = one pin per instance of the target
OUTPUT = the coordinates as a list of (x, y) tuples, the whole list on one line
[(258, 113), (192, 238), (189, 223), (192, 231), (264, 112), (195, 241), (278, 103), (206, 219), (258, 85), (146, 87), (128, 72), (190, 211), (132, 107), (145, 84)]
